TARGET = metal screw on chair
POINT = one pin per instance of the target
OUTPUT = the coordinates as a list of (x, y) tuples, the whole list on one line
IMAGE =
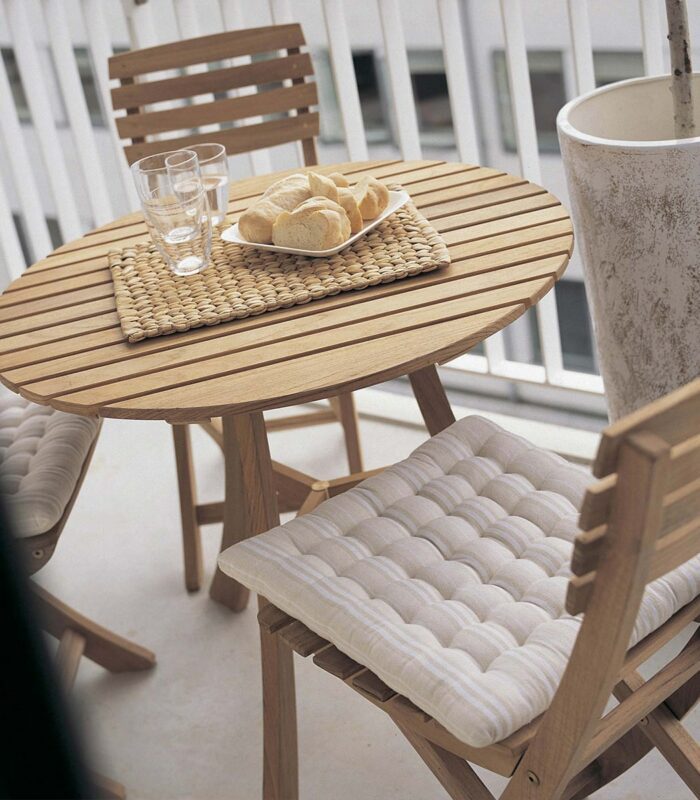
[(644, 721), (38, 553), (533, 778)]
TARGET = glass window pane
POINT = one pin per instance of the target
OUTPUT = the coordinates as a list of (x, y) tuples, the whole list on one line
[(575, 326), (369, 91), (548, 96), (13, 76), (610, 66), (87, 79)]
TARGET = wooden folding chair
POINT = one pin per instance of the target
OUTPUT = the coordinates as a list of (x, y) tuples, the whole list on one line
[(78, 636), (293, 121), (640, 522)]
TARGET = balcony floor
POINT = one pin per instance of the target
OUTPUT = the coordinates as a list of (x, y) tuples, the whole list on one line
[(191, 728)]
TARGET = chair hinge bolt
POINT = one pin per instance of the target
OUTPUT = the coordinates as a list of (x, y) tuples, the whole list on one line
[(533, 778)]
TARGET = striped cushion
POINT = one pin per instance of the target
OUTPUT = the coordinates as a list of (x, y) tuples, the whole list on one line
[(42, 452), (446, 576)]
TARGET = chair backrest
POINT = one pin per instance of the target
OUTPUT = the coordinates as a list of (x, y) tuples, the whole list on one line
[(641, 520), (666, 434), (276, 58)]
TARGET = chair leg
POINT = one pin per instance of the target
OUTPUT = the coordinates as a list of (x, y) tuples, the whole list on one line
[(344, 407), (187, 489), (70, 650), (108, 649), (432, 400), (280, 755), (668, 735), (456, 776), (107, 789)]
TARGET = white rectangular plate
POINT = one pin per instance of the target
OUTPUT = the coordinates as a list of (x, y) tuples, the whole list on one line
[(396, 200)]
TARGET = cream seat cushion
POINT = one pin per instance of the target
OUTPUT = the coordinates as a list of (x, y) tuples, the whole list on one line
[(446, 576), (42, 452)]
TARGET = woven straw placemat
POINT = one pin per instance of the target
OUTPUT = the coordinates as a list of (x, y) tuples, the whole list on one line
[(243, 281)]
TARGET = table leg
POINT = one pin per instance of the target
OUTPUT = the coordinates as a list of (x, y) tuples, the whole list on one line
[(432, 400), (250, 504), (251, 508)]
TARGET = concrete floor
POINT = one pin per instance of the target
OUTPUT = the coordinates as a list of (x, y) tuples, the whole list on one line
[(191, 728)]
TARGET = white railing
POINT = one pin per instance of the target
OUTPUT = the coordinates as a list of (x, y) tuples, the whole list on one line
[(61, 165)]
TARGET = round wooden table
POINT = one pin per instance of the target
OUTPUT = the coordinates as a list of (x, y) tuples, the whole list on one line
[(61, 343)]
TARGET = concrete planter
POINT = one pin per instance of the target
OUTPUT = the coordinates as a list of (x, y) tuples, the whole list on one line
[(635, 198)]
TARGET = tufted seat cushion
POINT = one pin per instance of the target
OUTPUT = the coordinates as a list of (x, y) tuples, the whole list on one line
[(446, 575), (42, 452)]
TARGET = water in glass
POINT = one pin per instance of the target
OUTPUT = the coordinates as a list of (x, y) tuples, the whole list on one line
[(175, 208), (213, 165)]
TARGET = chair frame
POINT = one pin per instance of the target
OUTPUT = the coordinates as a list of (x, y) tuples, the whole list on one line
[(571, 750), (77, 635), (293, 487)]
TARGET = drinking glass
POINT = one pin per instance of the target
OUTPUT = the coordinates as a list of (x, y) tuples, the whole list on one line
[(174, 204), (213, 163)]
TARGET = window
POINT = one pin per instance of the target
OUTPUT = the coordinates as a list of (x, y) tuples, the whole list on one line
[(87, 79), (575, 326), (430, 94), (432, 97), (371, 90), (548, 96), (16, 86), (54, 233), (373, 111), (610, 66)]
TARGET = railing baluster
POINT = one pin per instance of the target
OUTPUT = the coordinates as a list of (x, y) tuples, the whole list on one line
[(76, 108), (23, 176), (459, 85), (281, 12), (188, 27), (100, 45), (528, 153), (406, 122), (42, 117), (232, 16), (652, 38), (340, 54), (580, 29), (463, 123), (141, 24), (10, 247)]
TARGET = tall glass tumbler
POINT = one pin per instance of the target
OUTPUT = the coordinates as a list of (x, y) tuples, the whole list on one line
[(213, 164), (175, 208)]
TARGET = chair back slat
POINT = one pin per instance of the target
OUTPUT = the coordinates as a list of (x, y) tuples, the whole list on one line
[(257, 73), (236, 140), (235, 108), (245, 121), (672, 420), (685, 467), (205, 50)]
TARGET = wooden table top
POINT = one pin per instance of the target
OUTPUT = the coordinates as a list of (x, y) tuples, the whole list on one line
[(61, 343)]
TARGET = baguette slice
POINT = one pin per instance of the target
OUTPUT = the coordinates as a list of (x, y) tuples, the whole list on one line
[(349, 202), (256, 222), (321, 186), (317, 224), (339, 179), (372, 196)]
